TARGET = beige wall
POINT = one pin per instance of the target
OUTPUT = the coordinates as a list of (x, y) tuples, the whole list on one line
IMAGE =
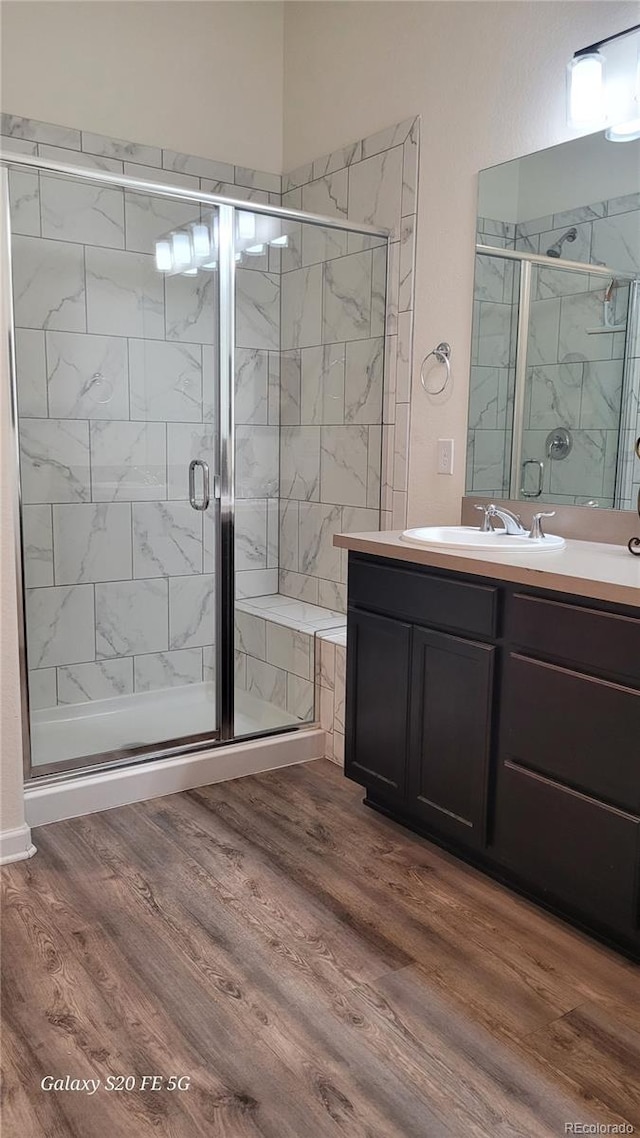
[(202, 78), (489, 82)]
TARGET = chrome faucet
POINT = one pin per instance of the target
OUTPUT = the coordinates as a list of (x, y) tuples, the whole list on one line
[(511, 522)]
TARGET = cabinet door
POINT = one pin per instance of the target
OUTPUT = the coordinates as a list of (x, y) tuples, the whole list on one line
[(377, 701), (450, 735)]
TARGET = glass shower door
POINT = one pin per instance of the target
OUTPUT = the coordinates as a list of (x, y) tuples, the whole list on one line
[(115, 315)]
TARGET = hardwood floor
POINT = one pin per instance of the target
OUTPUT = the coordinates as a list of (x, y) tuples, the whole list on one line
[(313, 969)]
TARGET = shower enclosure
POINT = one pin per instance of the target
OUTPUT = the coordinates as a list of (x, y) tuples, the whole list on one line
[(197, 396)]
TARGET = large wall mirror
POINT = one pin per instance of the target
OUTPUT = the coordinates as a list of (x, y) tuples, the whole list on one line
[(554, 406)]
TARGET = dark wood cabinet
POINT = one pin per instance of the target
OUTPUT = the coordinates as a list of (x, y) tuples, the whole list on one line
[(377, 700), (503, 723), (450, 733)]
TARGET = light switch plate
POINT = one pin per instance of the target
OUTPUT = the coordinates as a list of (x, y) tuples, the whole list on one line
[(445, 456)]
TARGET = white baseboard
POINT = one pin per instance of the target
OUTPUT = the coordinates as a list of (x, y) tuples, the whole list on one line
[(103, 790), (16, 845)]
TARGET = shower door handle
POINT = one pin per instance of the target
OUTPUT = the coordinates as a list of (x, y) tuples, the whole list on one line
[(540, 471), (206, 497)]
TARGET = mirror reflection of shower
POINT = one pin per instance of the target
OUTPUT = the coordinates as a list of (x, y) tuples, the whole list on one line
[(556, 250)]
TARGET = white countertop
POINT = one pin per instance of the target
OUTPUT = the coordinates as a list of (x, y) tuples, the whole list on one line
[(584, 568)]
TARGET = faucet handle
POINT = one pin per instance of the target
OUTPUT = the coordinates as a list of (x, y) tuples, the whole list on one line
[(486, 524), (536, 530)]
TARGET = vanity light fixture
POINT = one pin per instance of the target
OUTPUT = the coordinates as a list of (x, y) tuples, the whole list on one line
[(201, 239), (603, 86), (246, 226), (181, 249), (280, 242), (255, 250), (164, 257)]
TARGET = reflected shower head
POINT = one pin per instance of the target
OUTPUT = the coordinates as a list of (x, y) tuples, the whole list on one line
[(556, 250)]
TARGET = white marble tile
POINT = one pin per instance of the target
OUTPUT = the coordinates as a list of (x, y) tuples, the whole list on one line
[(582, 471), (37, 538), (495, 346), (16, 127), (325, 661), (302, 307), (323, 383), (266, 682), (375, 191), (290, 393), (615, 242), (239, 670), (148, 218), (190, 308), (550, 282), (390, 379), (322, 243), (297, 177), (344, 454), (31, 373), (128, 461), (318, 525), (374, 467), (554, 395), (60, 626), (487, 398), (105, 679), (385, 139), (299, 586), (257, 179), (54, 458), (191, 611), (75, 211), (623, 204), (125, 294), (92, 542), (17, 145), (290, 649), (410, 156), (327, 196), (401, 447), (289, 522), (273, 394), (202, 167), (273, 533), (378, 290), (256, 582), (251, 386), (300, 463), (346, 298), (87, 376), (24, 199), (186, 441), (131, 618), (169, 670), (251, 533), (577, 314), (363, 381), (489, 460), (407, 260), (332, 595), (119, 148), (257, 461), (165, 381), (257, 310), (48, 284), (339, 690), (167, 539), (165, 177), (77, 158), (325, 709), (399, 512), (392, 289), (345, 156), (42, 689), (300, 698), (251, 635)]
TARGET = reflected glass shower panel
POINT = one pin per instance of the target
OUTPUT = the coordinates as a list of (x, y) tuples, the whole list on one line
[(574, 387), (117, 395), (310, 327)]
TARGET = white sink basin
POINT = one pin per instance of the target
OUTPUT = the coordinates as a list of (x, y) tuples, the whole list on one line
[(468, 537)]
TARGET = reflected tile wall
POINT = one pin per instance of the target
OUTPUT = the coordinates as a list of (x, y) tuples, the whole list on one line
[(574, 377), (116, 382), (346, 392)]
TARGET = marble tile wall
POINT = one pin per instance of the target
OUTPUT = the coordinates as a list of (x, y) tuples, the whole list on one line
[(574, 377), (116, 375), (346, 358), (331, 667)]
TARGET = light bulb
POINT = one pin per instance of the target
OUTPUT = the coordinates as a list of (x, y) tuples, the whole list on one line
[(280, 241), (586, 90), (164, 258), (190, 272), (255, 250), (201, 240), (181, 246), (210, 265), (246, 226), (624, 132)]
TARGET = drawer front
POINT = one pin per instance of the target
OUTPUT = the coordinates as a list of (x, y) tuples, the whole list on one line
[(424, 598), (605, 643), (575, 852), (575, 728)]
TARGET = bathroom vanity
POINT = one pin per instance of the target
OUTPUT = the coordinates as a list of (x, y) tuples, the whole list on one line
[(493, 705)]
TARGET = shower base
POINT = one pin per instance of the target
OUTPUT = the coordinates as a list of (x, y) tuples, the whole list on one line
[(68, 733)]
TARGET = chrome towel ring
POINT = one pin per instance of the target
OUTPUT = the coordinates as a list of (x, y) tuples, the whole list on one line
[(442, 353)]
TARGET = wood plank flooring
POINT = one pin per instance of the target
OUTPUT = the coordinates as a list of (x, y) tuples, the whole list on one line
[(312, 968)]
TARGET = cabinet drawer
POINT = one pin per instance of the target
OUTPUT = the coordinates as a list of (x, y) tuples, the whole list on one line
[(424, 598), (572, 850), (575, 728), (607, 644)]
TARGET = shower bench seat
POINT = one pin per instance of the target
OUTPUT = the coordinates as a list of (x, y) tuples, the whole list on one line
[(291, 655)]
